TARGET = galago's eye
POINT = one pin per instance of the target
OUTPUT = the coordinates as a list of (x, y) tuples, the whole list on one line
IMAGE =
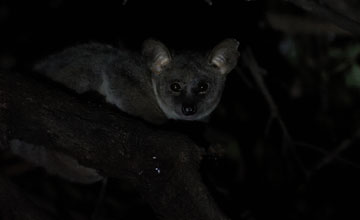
[(175, 87), (203, 87)]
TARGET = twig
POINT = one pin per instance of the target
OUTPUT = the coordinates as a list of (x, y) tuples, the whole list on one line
[(340, 20), (330, 157), (325, 152), (257, 73), (333, 154), (244, 77)]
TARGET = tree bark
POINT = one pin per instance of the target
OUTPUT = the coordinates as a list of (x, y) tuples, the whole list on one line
[(163, 165)]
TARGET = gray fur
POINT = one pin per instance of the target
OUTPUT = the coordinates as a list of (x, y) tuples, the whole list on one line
[(140, 84), (118, 75)]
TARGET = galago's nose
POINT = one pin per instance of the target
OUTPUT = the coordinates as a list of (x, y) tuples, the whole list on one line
[(188, 109)]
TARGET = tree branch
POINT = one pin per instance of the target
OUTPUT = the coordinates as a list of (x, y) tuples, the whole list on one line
[(294, 24), (334, 154), (163, 165), (337, 18), (257, 73)]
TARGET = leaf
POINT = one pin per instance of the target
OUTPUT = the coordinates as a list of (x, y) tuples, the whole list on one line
[(353, 78)]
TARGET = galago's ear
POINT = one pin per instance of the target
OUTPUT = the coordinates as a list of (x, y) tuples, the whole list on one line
[(156, 55), (225, 55)]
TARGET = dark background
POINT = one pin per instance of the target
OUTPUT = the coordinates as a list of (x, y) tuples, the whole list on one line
[(31, 30), (311, 173)]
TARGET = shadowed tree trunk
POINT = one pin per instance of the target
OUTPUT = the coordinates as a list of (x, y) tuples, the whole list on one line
[(164, 166)]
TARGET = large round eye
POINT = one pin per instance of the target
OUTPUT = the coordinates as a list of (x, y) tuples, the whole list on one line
[(175, 87), (203, 86)]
